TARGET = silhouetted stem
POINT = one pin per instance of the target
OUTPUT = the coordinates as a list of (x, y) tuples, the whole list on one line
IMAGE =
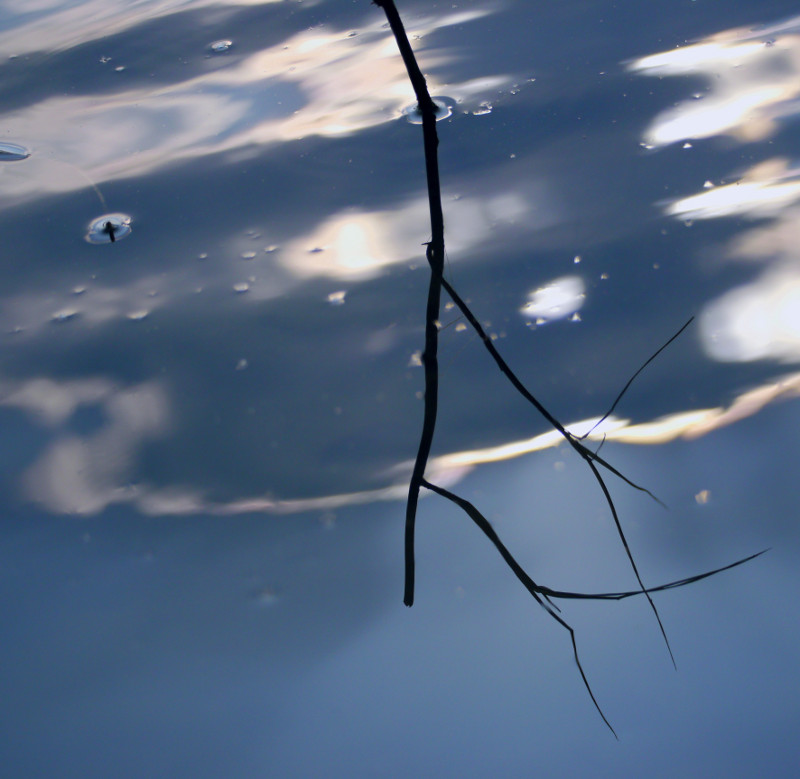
[(435, 257)]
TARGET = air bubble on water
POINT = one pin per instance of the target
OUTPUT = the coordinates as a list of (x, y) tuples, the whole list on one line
[(708, 184), (241, 365), (337, 298), (484, 108), (137, 316), (248, 255), (119, 68), (415, 361), (78, 290), (270, 249), (220, 47), (460, 327), (576, 259), (241, 287), (64, 315), (202, 256), (109, 228), (444, 109), (12, 152)]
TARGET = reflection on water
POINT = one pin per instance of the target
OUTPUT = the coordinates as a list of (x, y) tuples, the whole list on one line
[(752, 88), (312, 82), (751, 82), (86, 474), (252, 348)]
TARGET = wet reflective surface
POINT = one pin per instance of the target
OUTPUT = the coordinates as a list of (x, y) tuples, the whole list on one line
[(209, 426)]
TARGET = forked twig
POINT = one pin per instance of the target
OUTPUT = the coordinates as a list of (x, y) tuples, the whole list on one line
[(435, 255), (542, 595)]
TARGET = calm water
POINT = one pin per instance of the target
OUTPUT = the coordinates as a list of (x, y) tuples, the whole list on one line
[(208, 421)]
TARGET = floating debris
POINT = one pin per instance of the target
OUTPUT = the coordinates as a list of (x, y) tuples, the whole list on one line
[(337, 298), (109, 228), (444, 108), (13, 152), (220, 47)]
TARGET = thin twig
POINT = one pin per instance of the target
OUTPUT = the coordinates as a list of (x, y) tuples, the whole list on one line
[(435, 257), (528, 583), (633, 378)]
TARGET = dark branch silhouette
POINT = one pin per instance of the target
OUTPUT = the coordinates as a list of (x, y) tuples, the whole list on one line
[(435, 254), (435, 257), (633, 378)]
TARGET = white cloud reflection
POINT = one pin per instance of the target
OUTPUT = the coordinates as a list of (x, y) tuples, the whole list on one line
[(558, 299), (86, 474), (752, 81), (762, 191), (315, 82)]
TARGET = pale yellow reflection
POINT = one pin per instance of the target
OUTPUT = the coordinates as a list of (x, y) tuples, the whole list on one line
[(750, 81), (757, 321), (86, 474), (77, 23), (762, 191), (355, 244), (314, 82)]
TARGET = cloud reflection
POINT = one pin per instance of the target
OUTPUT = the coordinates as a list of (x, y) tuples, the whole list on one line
[(752, 81), (314, 82), (86, 474)]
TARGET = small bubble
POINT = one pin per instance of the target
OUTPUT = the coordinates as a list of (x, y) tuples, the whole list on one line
[(105, 59), (352, 34), (576, 317), (241, 287), (415, 361), (603, 276), (444, 108), (78, 290), (576, 259), (137, 316), (242, 364), (460, 327), (119, 68), (270, 249), (202, 256), (316, 250), (708, 184), (248, 255), (220, 47), (687, 145), (336, 298), (449, 306), (64, 315), (483, 109), (13, 152), (108, 228)]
